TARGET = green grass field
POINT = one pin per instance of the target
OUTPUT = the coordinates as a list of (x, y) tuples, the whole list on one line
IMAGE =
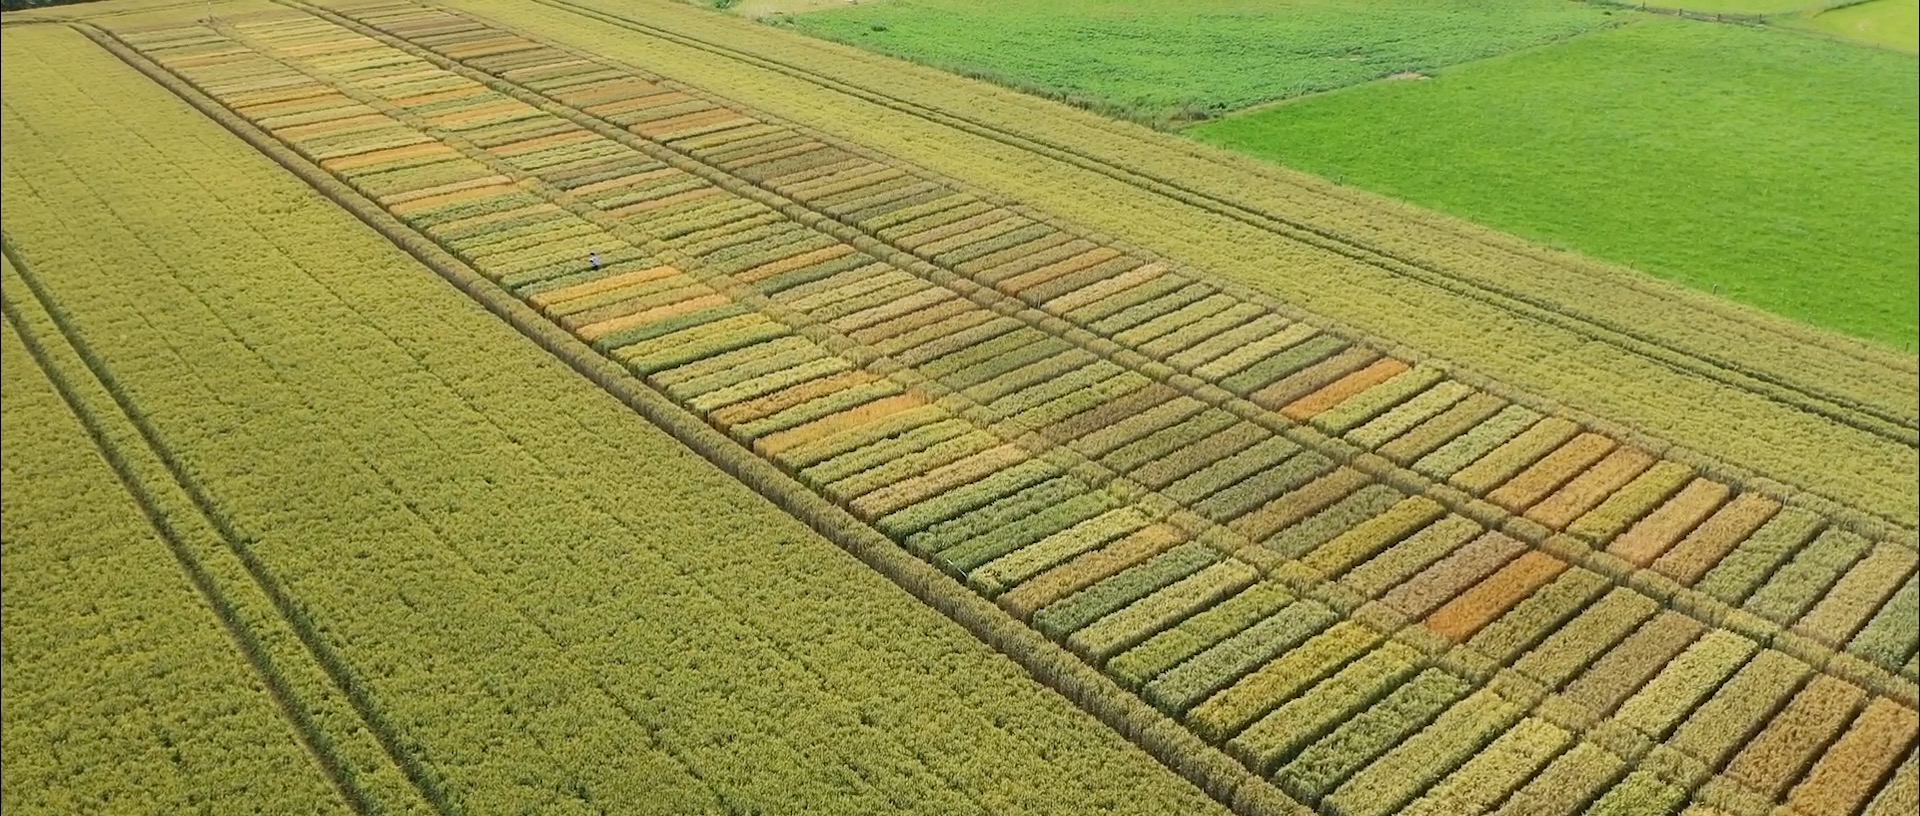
[(1775, 169), (1766, 166), (1891, 24), (1147, 61)]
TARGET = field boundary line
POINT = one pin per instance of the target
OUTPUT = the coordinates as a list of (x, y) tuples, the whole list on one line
[(1166, 740), (1833, 407), (1776, 21), (1784, 23), (1567, 548), (318, 744), (1732, 18), (1425, 74)]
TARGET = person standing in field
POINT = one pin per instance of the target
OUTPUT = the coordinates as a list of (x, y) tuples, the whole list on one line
[(594, 259)]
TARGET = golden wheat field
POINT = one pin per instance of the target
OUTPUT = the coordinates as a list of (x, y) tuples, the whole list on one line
[(614, 406)]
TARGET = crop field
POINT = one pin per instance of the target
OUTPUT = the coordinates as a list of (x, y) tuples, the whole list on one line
[(1749, 162), (1799, 180), (1193, 60), (466, 576), (844, 480), (1602, 340)]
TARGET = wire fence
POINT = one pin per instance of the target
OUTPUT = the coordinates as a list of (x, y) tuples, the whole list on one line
[(1691, 14)]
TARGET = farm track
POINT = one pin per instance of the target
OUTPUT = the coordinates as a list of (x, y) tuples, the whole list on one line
[(1889, 425), (1182, 512), (253, 630)]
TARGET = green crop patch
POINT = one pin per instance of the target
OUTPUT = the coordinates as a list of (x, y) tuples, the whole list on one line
[(1506, 764), (1304, 720), (1025, 563), (1038, 493), (1259, 692), (1327, 764), (1091, 604), (1796, 153), (1231, 658), (1173, 646), (1414, 763), (1149, 62)]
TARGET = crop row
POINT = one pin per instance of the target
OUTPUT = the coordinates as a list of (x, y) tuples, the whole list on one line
[(1652, 514), (389, 393), (719, 329), (1196, 204), (116, 650)]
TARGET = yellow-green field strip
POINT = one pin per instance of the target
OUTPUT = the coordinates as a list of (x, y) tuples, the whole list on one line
[(558, 607), (1888, 422), (1332, 564), (880, 102), (1834, 502), (1598, 383), (60, 526), (312, 686)]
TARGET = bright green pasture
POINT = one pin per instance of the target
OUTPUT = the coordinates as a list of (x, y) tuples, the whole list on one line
[(1887, 23), (1164, 60), (1776, 169)]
